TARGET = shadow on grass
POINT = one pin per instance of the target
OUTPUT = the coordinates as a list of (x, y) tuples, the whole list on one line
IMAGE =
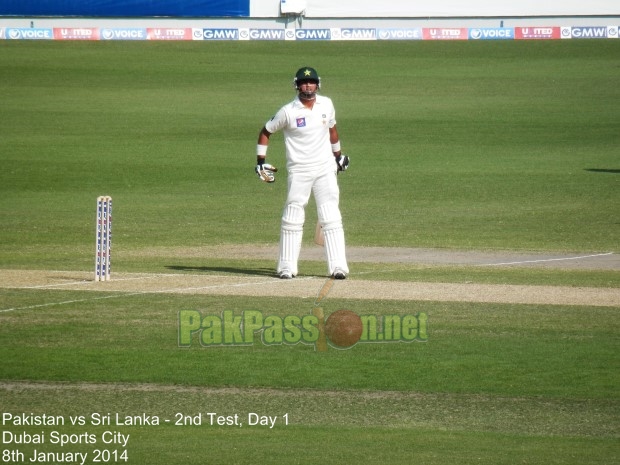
[(230, 270), (602, 170), (224, 269)]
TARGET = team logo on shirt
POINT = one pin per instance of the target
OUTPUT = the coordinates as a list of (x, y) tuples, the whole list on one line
[(301, 122)]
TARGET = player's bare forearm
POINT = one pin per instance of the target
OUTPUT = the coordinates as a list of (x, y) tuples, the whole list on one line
[(263, 139), (334, 139), (333, 135), (263, 136)]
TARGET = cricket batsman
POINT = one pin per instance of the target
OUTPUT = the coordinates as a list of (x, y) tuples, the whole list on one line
[(313, 159)]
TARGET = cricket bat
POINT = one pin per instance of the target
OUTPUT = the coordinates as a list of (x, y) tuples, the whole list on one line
[(319, 238)]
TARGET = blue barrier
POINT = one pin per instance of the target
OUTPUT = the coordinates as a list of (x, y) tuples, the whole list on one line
[(126, 8)]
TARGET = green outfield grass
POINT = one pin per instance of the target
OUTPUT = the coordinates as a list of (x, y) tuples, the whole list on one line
[(470, 145), (476, 145), (524, 378), (115, 339)]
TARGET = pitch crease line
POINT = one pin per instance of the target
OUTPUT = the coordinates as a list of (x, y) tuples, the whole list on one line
[(548, 259), (218, 286), (90, 281), (131, 294)]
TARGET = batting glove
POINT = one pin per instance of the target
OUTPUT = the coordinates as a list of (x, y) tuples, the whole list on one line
[(265, 171), (343, 162)]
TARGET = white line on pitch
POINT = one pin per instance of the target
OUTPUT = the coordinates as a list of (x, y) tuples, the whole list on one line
[(548, 259), (161, 291), (48, 286), (51, 304), (218, 286), (90, 281)]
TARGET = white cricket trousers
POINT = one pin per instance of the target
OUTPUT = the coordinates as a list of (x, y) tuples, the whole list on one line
[(324, 186)]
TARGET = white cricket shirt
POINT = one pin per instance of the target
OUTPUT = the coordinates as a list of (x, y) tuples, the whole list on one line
[(306, 133)]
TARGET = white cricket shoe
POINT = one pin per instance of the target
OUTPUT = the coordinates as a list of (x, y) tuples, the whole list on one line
[(339, 274), (285, 274)]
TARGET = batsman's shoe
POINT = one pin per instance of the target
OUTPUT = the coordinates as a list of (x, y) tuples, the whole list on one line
[(339, 274), (285, 274)]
